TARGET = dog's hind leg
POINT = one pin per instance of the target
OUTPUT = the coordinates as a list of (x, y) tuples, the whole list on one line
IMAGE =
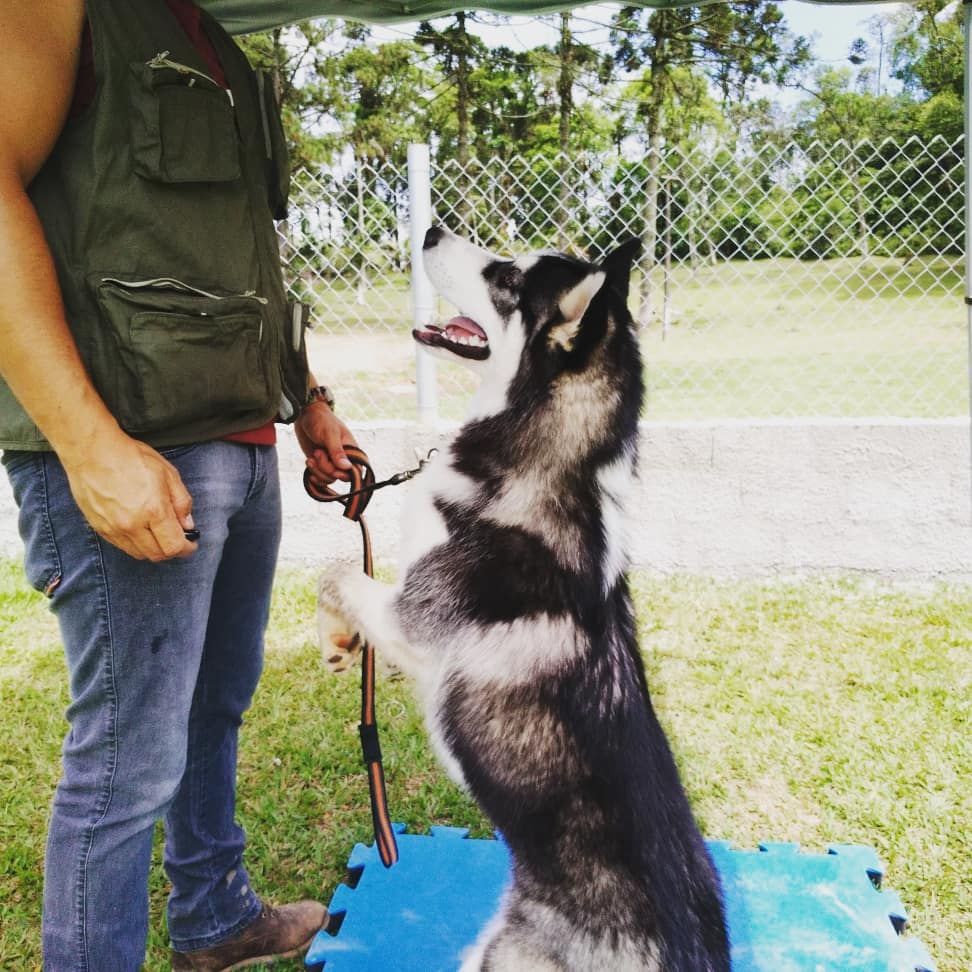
[(352, 606), (506, 956), (501, 949)]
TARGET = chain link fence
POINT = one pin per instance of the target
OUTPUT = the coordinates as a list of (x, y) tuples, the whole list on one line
[(780, 281)]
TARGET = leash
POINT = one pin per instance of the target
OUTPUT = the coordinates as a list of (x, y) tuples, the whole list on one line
[(354, 501)]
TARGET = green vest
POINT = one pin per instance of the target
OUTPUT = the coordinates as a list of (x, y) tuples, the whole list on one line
[(157, 204)]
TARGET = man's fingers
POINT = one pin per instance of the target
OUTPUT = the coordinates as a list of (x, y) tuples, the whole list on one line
[(321, 467), (171, 531), (179, 496), (324, 466), (170, 540), (181, 499), (161, 539), (334, 448)]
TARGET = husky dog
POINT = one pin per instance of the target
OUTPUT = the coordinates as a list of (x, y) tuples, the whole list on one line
[(512, 614)]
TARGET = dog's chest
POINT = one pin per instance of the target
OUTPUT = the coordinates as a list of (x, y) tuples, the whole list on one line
[(423, 525)]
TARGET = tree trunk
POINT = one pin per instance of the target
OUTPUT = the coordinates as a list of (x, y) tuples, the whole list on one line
[(650, 237), (694, 212), (565, 87), (860, 206), (654, 124), (667, 312), (462, 119), (362, 238)]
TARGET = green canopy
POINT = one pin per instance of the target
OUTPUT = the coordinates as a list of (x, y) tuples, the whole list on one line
[(244, 16)]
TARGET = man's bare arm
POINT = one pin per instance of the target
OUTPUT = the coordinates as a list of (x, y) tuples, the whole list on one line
[(126, 490)]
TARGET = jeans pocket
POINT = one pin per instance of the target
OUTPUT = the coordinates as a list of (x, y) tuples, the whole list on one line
[(176, 452), (27, 472)]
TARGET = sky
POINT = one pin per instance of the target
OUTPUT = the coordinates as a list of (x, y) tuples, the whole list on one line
[(832, 28)]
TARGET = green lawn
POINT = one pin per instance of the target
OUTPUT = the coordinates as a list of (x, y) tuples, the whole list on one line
[(756, 339), (815, 711)]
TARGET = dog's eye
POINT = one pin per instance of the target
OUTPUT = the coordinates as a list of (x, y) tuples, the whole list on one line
[(507, 276)]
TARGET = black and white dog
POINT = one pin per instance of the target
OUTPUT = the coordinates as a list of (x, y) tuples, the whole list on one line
[(512, 614)]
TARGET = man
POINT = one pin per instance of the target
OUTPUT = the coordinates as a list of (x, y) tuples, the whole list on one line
[(143, 347)]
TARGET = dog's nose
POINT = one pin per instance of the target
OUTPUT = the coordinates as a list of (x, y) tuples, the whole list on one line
[(432, 237)]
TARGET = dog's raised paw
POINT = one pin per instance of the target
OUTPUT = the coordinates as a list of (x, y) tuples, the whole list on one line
[(340, 646), (342, 653)]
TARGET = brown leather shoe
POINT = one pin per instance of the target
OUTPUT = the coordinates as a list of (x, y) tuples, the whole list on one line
[(276, 933)]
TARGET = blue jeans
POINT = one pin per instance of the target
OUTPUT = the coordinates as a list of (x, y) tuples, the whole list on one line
[(163, 660)]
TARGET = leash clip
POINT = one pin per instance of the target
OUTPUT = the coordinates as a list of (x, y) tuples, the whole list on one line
[(404, 477), (362, 484)]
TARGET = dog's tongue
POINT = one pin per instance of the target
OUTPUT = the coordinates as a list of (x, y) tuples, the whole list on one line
[(460, 327)]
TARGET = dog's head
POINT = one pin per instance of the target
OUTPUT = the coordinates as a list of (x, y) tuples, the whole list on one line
[(548, 314)]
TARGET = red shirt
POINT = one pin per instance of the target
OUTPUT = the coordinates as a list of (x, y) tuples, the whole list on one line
[(188, 15)]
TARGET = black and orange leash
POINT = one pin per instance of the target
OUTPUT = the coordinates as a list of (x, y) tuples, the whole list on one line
[(354, 501)]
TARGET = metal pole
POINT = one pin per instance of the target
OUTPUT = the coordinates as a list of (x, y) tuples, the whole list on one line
[(967, 12), (423, 296)]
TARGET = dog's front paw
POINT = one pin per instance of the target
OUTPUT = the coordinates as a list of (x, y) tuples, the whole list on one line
[(340, 644), (341, 652)]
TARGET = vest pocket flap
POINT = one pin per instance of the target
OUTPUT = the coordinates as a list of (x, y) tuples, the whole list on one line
[(182, 129), (183, 356)]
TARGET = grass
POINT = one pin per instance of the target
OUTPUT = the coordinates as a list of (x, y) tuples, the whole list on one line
[(768, 338), (820, 711)]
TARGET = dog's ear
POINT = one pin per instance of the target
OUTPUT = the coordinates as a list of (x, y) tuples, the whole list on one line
[(618, 263), (573, 305)]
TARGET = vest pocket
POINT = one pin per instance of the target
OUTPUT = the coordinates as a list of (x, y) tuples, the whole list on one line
[(183, 125), (183, 356)]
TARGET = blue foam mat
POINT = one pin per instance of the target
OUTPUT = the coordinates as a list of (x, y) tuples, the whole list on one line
[(787, 911)]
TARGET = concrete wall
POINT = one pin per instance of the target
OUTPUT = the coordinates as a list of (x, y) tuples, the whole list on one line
[(891, 498), (885, 497)]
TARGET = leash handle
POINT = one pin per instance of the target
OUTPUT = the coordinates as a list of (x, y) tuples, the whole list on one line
[(362, 485), (354, 501)]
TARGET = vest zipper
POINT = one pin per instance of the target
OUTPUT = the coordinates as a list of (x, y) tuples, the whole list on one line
[(165, 283), (171, 283), (162, 60)]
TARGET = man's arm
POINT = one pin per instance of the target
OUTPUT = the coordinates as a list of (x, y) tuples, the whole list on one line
[(129, 494)]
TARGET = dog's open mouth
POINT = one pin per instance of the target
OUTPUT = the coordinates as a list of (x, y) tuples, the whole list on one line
[(462, 336)]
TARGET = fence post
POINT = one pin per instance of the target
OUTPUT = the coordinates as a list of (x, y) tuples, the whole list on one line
[(423, 296), (967, 153)]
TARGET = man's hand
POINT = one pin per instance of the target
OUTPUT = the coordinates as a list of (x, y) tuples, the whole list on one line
[(322, 436), (132, 497)]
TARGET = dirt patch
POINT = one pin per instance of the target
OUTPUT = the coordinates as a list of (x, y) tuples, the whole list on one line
[(333, 356)]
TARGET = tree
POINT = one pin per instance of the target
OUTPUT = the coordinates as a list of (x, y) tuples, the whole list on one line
[(927, 47), (580, 126), (730, 44), (843, 129), (927, 57), (294, 58), (372, 98), (458, 53)]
